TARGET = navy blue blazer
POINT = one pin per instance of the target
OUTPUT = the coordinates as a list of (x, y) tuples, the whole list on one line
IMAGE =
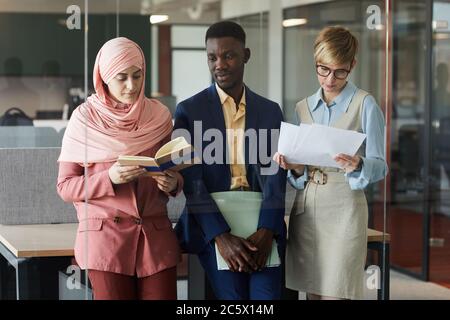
[(201, 220)]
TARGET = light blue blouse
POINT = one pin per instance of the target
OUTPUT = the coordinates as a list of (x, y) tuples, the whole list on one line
[(374, 165)]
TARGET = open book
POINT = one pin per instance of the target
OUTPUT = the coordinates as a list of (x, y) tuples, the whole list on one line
[(174, 155)]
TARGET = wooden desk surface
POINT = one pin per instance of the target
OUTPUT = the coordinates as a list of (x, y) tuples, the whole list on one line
[(377, 236), (39, 240), (57, 240)]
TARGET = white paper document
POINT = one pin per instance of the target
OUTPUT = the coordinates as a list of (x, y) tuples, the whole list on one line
[(317, 144)]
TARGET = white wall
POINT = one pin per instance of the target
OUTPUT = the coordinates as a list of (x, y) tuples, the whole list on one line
[(185, 36), (275, 52), (190, 73), (237, 8), (294, 3)]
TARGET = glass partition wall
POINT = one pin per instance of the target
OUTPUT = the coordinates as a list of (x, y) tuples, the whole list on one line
[(416, 125), (44, 57), (367, 21), (439, 127), (47, 54), (256, 28), (61, 34), (403, 64), (418, 184)]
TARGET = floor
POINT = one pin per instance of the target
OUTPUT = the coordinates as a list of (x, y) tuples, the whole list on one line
[(406, 288), (406, 229), (402, 288)]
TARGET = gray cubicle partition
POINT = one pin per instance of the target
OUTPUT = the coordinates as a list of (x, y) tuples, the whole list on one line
[(29, 137), (28, 187)]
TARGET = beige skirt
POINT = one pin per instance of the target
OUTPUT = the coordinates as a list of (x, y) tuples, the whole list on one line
[(327, 240)]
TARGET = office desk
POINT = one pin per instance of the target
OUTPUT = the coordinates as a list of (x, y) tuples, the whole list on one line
[(37, 253), (375, 242)]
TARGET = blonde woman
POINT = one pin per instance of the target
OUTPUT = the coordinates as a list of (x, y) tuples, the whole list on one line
[(327, 239)]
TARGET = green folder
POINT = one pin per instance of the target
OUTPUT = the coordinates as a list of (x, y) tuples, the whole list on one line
[(241, 211)]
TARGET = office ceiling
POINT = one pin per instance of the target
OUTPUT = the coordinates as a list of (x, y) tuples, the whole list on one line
[(179, 11)]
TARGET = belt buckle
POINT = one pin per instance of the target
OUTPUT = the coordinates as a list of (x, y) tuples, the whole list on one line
[(319, 177)]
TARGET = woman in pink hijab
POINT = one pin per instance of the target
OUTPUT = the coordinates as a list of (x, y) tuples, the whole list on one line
[(125, 238)]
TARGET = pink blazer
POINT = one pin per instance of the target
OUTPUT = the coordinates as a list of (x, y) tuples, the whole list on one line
[(123, 228)]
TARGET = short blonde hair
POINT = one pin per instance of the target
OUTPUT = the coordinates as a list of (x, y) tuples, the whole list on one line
[(335, 45)]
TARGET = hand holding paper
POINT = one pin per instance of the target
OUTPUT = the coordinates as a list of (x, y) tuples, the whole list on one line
[(317, 144)]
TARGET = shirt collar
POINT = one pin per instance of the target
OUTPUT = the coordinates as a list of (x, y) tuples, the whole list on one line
[(317, 98), (224, 96), (342, 100)]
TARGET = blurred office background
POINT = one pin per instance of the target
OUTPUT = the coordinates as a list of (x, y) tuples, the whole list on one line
[(47, 56)]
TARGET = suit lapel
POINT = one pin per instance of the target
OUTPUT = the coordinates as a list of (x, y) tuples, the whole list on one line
[(218, 119), (215, 109), (251, 114), (251, 120)]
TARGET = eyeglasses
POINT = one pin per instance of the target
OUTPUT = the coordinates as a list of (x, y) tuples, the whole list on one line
[(340, 74)]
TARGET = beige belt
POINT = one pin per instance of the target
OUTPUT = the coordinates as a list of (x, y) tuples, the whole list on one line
[(319, 176)]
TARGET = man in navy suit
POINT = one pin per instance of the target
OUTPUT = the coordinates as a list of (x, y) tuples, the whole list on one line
[(227, 106)]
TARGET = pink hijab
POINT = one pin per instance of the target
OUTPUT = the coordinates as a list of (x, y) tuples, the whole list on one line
[(101, 129)]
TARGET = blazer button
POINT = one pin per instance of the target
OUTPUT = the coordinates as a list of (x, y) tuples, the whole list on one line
[(138, 221)]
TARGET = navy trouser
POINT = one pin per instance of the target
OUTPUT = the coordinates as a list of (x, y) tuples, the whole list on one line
[(227, 285)]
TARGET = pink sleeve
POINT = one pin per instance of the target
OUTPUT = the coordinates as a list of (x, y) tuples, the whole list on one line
[(71, 183)]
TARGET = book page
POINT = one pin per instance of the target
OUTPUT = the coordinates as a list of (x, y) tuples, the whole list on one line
[(175, 155), (172, 146), (137, 161)]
